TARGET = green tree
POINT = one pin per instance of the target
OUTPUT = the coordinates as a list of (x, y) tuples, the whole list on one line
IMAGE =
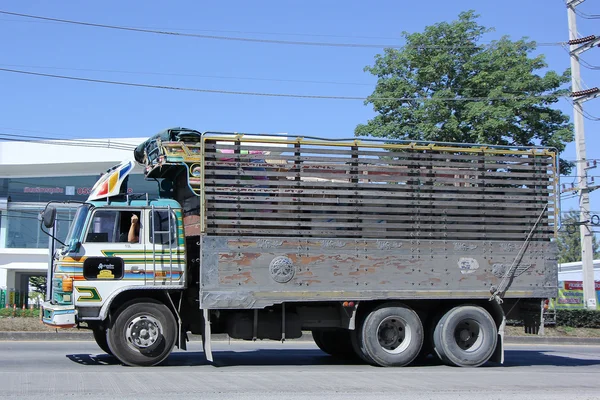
[(38, 283), (569, 239), (446, 62)]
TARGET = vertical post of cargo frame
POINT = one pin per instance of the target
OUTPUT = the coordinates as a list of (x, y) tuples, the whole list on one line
[(202, 182), (556, 190)]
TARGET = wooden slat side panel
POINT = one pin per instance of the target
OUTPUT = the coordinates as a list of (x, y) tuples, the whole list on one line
[(351, 192)]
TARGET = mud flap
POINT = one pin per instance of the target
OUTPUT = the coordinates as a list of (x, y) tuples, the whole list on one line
[(183, 339), (498, 355), (500, 318), (206, 345)]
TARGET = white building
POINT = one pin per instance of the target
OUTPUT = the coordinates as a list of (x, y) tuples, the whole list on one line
[(34, 173), (573, 271)]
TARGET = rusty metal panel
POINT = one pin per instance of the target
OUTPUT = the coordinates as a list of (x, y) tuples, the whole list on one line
[(255, 272)]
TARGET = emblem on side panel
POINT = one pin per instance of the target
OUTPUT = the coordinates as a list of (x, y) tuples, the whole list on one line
[(282, 269), (467, 265), (500, 270)]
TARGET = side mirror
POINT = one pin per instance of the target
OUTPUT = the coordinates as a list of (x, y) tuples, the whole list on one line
[(74, 247), (49, 216)]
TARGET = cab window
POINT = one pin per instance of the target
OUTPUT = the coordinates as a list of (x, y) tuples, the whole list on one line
[(162, 232), (113, 226)]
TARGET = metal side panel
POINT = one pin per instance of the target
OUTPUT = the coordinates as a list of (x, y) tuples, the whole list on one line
[(254, 272)]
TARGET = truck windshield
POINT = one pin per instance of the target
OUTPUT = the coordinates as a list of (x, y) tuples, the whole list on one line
[(77, 224)]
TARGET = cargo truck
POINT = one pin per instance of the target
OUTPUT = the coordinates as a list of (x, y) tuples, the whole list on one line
[(385, 250)]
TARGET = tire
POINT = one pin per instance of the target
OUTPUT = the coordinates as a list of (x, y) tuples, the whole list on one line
[(356, 346), (142, 334), (390, 336), (466, 336), (101, 341), (335, 342)]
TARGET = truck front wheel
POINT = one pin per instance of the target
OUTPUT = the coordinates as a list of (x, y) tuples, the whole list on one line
[(101, 341), (465, 336), (142, 334), (390, 336)]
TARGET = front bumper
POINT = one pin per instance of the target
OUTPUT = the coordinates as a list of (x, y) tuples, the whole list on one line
[(58, 316)]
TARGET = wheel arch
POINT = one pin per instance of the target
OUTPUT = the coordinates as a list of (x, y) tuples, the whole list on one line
[(133, 294)]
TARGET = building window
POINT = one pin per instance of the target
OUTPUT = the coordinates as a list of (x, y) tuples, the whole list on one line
[(23, 225)]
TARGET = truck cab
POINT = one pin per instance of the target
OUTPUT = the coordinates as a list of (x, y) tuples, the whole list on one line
[(104, 256)]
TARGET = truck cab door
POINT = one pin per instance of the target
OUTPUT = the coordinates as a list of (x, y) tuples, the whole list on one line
[(110, 258), (166, 259)]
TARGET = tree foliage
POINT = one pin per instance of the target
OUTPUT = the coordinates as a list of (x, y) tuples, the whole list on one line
[(446, 61), (569, 239), (38, 283)]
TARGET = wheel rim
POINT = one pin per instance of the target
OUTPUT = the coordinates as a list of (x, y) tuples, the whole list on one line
[(394, 335), (143, 332), (468, 335)]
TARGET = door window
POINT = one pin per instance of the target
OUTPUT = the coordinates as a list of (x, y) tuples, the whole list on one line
[(163, 232), (113, 226)]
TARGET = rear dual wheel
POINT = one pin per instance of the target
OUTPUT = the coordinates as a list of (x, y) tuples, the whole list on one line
[(465, 336), (389, 336)]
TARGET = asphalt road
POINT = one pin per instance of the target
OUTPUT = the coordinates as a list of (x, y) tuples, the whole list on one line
[(293, 370)]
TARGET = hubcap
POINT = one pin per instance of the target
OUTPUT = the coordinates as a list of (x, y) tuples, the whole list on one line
[(143, 332), (394, 335), (468, 335)]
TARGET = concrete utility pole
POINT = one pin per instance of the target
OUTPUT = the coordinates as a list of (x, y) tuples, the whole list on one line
[(579, 96)]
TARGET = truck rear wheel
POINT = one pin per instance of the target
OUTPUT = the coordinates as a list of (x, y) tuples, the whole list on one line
[(101, 341), (465, 336), (142, 334), (390, 335), (335, 342)]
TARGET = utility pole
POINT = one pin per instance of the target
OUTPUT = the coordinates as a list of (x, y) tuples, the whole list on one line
[(577, 46)]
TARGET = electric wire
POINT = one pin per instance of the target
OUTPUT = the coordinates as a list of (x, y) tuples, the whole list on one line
[(231, 31), (69, 142), (190, 75), (232, 38), (585, 15), (279, 95)]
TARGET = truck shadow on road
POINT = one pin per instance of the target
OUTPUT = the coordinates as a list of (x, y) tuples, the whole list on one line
[(262, 357), (520, 358)]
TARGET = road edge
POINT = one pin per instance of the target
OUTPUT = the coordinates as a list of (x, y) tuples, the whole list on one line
[(87, 336)]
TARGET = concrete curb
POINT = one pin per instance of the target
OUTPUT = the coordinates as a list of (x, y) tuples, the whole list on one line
[(551, 340), (87, 336)]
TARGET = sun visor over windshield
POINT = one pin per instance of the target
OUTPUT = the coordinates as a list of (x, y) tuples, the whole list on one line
[(113, 182)]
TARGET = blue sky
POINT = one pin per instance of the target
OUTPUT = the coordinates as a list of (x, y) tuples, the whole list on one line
[(89, 110)]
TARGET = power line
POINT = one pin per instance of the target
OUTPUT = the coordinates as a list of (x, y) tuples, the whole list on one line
[(86, 141), (582, 111), (224, 77), (200, 36), (288, 95), (238, 39), (585, 15), (233, 31), (582, 161), (190, 75), (588, 65), (581, 60), (57, 142)]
